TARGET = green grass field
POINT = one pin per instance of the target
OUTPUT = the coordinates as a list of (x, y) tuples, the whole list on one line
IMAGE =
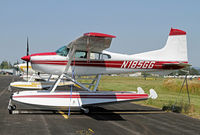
[(167, 90)]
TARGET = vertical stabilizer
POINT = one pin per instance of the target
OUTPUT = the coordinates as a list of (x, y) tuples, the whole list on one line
[(174, 50), (176, 46)]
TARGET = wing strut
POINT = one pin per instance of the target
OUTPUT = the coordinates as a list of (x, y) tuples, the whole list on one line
[(76, 82), (71, 55), (49, 77), (54, 86), (97, 82)]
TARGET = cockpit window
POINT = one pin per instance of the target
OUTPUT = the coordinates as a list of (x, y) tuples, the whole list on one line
[(63, 51)]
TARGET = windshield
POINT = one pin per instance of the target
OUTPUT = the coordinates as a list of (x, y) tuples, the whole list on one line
[(63, 51)]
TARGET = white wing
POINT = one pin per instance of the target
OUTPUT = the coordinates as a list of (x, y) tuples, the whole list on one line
[(92, 42)]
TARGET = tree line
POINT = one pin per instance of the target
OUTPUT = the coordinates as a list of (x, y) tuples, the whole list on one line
[(6, 65)]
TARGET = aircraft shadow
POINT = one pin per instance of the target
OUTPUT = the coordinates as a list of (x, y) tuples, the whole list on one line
[(96, 112), (100, 113)]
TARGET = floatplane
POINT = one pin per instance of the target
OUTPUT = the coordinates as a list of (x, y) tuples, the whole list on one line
[(33, 80), (28, 74), (87, 56)]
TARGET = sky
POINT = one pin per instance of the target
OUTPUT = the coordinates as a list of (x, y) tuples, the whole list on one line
[(138, 25)]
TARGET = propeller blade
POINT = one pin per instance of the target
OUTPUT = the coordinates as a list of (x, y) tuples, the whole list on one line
[(27, 54), (27, 69), (27, 49)]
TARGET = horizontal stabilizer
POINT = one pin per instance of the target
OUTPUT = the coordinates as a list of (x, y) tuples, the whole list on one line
[(140, 90), (175, 65), (153, 94)]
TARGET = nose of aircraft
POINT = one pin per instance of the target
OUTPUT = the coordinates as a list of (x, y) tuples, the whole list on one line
[(26, 58)]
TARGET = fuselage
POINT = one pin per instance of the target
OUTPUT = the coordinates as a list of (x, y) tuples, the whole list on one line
[(172, 56), (99, 63)]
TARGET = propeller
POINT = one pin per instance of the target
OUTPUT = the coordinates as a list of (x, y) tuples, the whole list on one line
[(27, 54)]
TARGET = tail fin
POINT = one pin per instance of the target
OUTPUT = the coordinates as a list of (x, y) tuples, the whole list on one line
[(176, 46), (174, 50)]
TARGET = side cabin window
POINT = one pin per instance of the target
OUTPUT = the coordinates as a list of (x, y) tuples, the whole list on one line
[(93, 55), (63, 51), (105, 56), (81, 54)]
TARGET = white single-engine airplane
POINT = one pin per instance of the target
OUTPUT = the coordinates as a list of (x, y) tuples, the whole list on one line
[(86, 56), (34, 80), (22, 67)]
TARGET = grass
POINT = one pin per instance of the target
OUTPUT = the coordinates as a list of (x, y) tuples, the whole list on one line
[(167, 89)]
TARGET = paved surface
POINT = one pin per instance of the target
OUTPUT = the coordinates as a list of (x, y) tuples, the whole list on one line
[(114, 119)]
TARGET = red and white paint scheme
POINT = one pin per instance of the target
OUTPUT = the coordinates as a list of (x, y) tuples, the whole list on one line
[(172, 56), (87, 56), (76, 99), (63, 100)]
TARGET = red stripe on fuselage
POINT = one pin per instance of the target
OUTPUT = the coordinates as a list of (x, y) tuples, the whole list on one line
[(122, 96), (126, 64)]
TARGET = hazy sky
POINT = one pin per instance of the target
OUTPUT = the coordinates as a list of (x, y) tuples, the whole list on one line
[(139, 25)]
